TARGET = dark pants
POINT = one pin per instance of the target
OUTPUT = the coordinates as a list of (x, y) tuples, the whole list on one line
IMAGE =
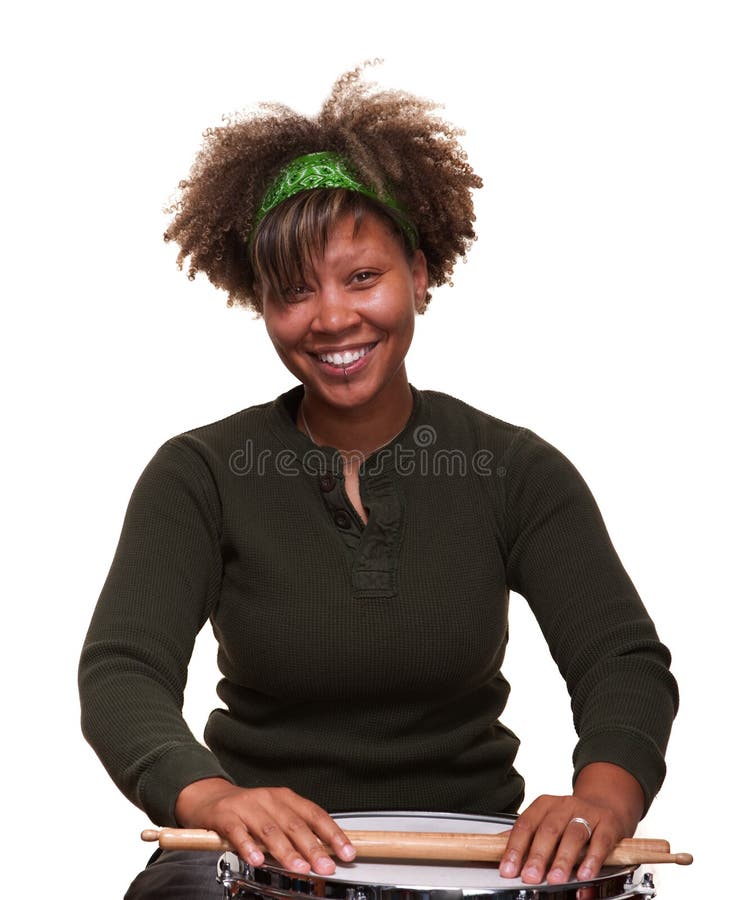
[(178, 875)]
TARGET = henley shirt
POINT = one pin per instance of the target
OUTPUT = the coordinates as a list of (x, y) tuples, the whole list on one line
[(361, 663)]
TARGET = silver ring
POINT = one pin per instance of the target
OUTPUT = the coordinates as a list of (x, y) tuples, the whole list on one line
[(583, 822)]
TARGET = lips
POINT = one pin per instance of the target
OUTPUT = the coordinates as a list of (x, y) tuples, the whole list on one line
[(344, 368), (345, 355)]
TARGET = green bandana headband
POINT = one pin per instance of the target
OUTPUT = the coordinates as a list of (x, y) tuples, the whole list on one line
[(324, 170)]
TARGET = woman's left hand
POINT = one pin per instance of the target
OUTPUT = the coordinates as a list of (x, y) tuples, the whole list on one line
[(545, 839)]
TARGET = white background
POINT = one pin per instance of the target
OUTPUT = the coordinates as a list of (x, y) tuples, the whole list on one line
[(592, 310)]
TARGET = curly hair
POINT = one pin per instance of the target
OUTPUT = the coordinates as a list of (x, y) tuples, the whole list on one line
[(394, 143)]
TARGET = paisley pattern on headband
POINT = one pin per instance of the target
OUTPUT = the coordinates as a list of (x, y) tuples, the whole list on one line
[(322, 170)]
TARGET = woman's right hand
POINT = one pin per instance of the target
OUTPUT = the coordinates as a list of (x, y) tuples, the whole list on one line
[(290, 827)]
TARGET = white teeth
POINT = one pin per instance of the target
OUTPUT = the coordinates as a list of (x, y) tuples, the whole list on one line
[(346, 358)]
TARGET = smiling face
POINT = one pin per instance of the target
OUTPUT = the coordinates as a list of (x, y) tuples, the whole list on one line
[(345, 329)]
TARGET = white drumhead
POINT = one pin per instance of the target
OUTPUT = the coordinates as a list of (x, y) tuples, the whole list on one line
[(451, 876), (397, 880), (437, 876)]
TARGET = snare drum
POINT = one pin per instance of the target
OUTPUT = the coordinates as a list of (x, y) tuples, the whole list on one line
[(396, 880)]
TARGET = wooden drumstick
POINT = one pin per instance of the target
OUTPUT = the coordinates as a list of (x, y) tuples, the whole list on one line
[(418, 845)]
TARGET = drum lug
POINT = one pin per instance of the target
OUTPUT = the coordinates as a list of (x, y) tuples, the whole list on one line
[(227, 865), (356, 893), (644, 888)]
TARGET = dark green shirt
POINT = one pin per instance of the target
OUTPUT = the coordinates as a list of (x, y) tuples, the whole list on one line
[(361, 663)]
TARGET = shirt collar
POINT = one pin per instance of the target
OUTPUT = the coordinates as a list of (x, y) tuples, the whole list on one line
[(313, 457)]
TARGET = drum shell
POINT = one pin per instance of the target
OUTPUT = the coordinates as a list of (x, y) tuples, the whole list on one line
[(392, 880)]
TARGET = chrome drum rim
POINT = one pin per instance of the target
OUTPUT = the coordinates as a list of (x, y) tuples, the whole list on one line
[(276, 883)]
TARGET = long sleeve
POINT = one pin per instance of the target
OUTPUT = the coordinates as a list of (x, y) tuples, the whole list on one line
[(161, 587), (361, 664), (562, 561)]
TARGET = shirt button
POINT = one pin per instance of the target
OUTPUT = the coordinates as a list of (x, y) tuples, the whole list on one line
[(342, 518), (327, 482)]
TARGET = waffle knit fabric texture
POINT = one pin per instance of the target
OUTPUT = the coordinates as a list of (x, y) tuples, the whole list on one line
[(361, 663)]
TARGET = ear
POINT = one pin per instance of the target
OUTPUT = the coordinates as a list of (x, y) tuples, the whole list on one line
[(419, 269)]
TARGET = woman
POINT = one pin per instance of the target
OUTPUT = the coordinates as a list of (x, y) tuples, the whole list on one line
[(354, 541)]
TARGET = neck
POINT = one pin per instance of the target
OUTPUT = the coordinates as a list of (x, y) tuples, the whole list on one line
[(360, 429)]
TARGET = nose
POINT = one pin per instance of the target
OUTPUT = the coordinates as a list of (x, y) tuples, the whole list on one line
[(335, 311)]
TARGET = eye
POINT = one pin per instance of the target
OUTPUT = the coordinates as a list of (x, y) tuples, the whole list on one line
[(294, 293), (365, 276)]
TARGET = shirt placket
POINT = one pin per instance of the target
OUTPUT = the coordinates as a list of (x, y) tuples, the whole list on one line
[(376, 545), (343, 514)]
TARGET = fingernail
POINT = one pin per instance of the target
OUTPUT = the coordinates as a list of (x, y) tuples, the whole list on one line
[(556, 875), (507, 868), (530, 872), (256, 858), (300, 863), (584, 872), (349, 851)]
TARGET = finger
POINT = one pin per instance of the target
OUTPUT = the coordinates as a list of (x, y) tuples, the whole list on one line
[(573, 840), (303, 838), (602, 841), (330, 833), (518, 843), (279, 845), (274, 819), (242, 841), (548, 835)]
